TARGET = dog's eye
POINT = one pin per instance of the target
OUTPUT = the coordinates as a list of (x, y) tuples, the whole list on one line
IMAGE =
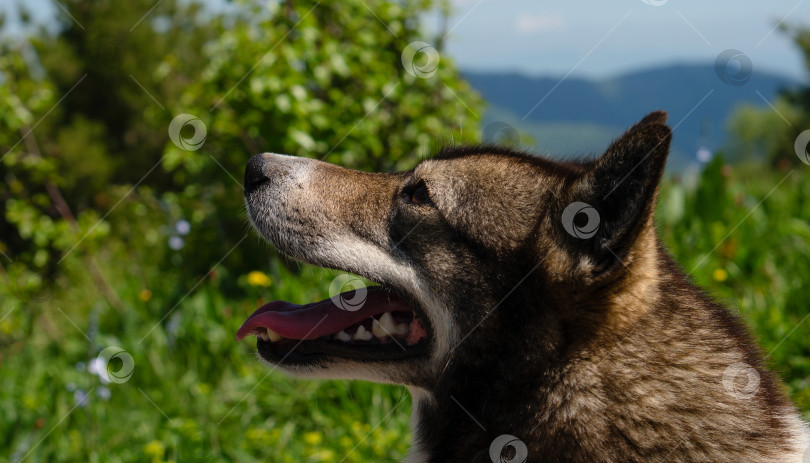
[(417, 194)]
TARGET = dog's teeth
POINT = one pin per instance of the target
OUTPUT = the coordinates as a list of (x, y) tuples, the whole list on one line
[(402, 329), (273, 336), (377, 330), (266, 334), (387, 323), (343, 336), (362, 334)]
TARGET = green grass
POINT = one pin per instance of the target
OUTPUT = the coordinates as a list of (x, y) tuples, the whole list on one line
[(194, 395), (197, 395)]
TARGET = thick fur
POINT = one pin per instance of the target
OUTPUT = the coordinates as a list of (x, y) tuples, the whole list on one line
[(595, 349)]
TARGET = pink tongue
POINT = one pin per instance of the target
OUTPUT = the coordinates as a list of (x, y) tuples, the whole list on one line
[(322, 318)]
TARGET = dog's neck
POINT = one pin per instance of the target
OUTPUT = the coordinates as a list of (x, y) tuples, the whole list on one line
[(475, 403), (463, 418), (596, 400)]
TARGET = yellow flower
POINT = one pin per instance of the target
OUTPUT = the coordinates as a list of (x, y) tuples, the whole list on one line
[(145, 295), (324, 455), (313, 438), (259, 436), (154, 449), (257, 278), (30, 402), (357, 427), (720, 275)]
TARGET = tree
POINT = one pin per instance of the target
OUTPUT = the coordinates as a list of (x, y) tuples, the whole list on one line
[(325, 80), (759, 133), (771, 133), (77, 122)]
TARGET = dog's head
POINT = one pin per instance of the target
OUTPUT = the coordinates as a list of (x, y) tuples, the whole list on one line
[(472, 249)]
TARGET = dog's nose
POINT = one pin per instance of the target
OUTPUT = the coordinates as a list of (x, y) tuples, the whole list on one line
[(254, 173)]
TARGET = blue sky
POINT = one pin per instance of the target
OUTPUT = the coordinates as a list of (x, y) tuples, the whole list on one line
[(600, 39)]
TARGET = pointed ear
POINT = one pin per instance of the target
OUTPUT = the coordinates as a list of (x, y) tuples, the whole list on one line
[(655, 117), (620, 187)]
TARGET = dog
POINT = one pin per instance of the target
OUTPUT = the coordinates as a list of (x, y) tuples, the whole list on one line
[(527, 304)]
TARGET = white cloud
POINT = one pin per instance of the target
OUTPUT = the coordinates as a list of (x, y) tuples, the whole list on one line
[(542, 22)]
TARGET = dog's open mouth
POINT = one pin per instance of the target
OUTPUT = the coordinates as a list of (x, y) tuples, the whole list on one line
[(379, 326)]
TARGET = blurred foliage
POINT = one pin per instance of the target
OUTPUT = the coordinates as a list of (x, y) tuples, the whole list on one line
[(306, 78), (770, 132), (759, 133)]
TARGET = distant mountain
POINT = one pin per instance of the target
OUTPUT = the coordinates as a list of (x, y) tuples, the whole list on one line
[(580, 116)]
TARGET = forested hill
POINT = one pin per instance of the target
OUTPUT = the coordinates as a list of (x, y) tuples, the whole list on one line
[(579, 115)]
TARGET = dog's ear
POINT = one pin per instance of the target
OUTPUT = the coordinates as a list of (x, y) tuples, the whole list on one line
[(655, 117), (615, 199)]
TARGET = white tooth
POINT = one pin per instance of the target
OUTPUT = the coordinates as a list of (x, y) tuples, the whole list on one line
[(401, 329), (387, 322), (343, 336), (362, 334), (263, 336), (273, 336), (378, 330)]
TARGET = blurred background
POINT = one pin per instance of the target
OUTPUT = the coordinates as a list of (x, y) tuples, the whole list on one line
[(127, 262)]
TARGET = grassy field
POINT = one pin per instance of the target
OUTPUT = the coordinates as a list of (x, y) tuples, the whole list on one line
[(197, 395)]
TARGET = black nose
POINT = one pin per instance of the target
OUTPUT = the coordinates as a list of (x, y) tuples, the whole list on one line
[(254, 173)]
